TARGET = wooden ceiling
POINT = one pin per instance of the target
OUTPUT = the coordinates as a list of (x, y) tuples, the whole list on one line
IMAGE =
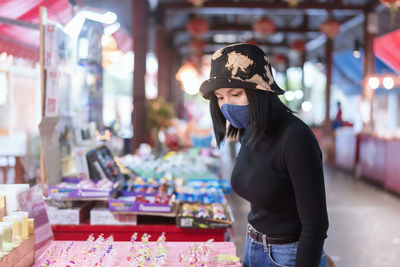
[(231, 21)]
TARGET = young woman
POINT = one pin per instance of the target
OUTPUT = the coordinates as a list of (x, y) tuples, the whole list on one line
[(279, 167)]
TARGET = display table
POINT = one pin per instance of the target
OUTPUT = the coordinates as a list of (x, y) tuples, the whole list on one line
[(346, 148), (124, 232), (392, 180), (174, 248)]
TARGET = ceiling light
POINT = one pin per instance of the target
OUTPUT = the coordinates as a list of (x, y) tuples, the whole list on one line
[(289, 95), (373, 82), (298, 94), (388, 83), (306, 106)]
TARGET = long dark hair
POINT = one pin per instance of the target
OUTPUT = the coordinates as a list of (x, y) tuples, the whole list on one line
[(266, 110)]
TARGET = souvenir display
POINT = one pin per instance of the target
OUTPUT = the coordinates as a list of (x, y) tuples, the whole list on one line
[(199, 215)]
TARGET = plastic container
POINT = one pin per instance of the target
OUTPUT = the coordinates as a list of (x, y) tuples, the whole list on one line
[(16, 221), (24, 215), (6, 228)]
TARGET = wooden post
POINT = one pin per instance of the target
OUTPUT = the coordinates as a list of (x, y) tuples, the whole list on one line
[(42, 23), (163, 69), (328, 67), (175, 91), (370, 29), (306, 91), (169, 76), (19, 171), (140, 40)]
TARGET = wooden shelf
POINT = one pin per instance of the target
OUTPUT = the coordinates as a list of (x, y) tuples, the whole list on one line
[(21, 256)]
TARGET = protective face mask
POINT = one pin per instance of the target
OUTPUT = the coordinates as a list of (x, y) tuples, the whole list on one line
[(238, 115)]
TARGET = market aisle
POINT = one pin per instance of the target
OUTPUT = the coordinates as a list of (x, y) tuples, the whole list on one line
[(364, 222)]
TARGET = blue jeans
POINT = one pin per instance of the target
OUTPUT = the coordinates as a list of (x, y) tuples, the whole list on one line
[(259, 255)]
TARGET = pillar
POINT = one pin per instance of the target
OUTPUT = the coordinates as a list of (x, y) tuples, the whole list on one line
[(370, 29), (328, 68), (162, 54), (140, 41)]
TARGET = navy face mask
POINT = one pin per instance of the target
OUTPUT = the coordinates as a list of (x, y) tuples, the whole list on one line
[(237, 115)]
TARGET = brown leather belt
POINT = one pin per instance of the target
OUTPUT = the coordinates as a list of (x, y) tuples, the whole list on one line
[(258, 237)]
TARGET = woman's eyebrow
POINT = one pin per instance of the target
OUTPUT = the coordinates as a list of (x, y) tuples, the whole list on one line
[(234, 89)]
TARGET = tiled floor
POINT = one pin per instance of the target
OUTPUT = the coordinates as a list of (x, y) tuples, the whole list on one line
[(364, 222)]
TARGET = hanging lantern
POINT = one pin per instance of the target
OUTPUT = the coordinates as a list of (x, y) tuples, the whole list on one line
[(197, 46), (280, 62), (264, 26), (252, 42), (197, 26), (189, 78), (330, 28), (293, 3), (299, 46), (280, 58), (197, 3), (393, 6)]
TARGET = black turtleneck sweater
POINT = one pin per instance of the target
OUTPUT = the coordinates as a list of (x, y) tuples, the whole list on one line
[(281, 175)]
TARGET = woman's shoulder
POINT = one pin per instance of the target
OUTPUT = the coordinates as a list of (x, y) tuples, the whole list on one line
[(297, 128)]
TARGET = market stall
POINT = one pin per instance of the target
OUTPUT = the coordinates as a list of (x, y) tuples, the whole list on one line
[(392, 179), (346, 148), (176, 194)]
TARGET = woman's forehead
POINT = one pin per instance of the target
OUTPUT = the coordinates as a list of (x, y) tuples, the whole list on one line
[(227, 90)]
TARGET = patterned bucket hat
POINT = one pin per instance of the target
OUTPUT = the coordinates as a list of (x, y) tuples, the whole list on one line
[(240, 66)]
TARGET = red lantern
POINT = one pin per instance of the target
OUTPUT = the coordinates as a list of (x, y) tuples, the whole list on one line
[(197, 46), (279, 62), (252, 42), (330, 28), (299, 46), (394, 6), (391, 3), (197, 26), (197, 3), (264, 26), (280, 59), (293, 3)]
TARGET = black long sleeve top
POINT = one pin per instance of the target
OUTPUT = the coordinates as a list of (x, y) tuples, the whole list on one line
[(281, 175)]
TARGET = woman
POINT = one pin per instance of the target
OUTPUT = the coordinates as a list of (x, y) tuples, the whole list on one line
[(278, 169)]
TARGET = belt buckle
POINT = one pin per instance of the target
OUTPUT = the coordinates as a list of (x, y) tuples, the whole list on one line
[(255, 235)]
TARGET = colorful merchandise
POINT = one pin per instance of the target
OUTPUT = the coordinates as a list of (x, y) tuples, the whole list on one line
[(144, 254), (197, 255)]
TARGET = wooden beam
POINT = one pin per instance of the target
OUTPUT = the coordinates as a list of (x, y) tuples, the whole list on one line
[(20, 23), (245, 28), (210, 49), (210, 42), (260, 5)]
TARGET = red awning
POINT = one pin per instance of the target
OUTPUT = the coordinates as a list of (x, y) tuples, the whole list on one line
[(24, 42), (386, 48)]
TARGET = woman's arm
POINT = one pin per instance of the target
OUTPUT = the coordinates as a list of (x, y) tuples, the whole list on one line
[(304, 164)]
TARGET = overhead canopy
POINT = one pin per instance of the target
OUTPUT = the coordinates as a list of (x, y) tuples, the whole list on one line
[(348, 71), (14, 38), (24, 41)]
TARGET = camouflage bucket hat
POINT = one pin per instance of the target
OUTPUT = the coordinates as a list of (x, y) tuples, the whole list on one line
[(240, 66)]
